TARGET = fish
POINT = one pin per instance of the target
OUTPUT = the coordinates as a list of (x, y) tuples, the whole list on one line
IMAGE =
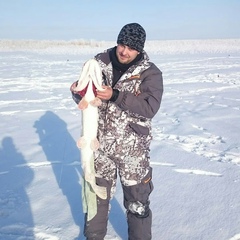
[(89, 82)]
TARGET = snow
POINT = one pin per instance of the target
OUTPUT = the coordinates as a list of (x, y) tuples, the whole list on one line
[(195, 153)]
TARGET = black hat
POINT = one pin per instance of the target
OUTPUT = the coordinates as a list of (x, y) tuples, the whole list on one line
[(133, 35)]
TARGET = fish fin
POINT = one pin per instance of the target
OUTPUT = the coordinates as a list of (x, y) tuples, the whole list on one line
[(99, 190), (96, 102), (81, 142), (95, 144), (83, 104)]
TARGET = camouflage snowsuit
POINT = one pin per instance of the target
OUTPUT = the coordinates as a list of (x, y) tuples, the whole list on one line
[(125, 133), (124, 136)]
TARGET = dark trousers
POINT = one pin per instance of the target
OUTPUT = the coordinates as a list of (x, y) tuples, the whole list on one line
[(139, 218)]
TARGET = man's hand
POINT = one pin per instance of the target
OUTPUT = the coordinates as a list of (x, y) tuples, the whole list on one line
[(106, 94)]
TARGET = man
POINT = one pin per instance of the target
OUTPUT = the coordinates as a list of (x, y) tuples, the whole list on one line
[(133, 92)]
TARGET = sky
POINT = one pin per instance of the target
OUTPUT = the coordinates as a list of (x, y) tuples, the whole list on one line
[(102, 20)]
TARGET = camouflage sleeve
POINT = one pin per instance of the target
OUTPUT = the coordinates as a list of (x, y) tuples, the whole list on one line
[(148, 101)]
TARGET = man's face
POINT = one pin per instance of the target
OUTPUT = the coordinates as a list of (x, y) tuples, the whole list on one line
[(125, 54)]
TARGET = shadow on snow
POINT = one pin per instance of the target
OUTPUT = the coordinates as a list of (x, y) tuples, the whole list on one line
[(15, 210), (61, 150)]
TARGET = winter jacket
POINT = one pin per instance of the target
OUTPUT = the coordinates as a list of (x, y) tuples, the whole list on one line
[(126, 121)]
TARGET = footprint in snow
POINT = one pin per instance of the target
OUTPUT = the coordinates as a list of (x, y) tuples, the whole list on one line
[(198, 172)]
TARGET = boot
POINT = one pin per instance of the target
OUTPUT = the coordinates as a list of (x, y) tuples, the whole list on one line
[(139, 215), (96, 228)]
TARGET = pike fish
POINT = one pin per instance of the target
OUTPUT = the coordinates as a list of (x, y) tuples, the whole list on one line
[(89, 81)]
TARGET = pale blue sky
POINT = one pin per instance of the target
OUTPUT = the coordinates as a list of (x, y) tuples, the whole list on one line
[(102, 19)]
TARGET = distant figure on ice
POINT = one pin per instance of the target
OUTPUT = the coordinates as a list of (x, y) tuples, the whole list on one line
[(133, 88)]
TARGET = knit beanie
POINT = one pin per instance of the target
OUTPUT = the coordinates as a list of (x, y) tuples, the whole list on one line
[(133, 35)]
